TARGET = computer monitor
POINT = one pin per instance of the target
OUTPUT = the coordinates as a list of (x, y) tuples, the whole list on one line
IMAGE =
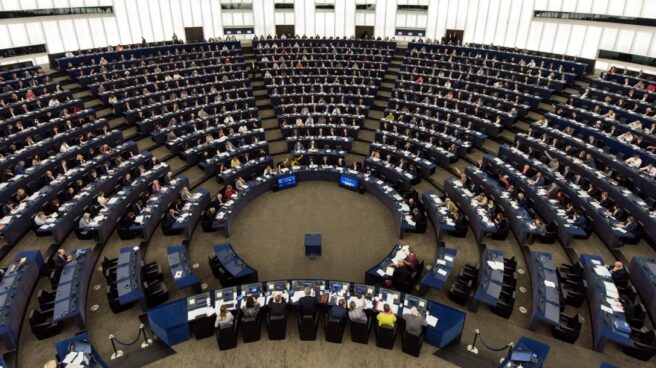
[(521, 356), (349, 182), (337, 287), (286, 181), (254, 290), (227, 294)]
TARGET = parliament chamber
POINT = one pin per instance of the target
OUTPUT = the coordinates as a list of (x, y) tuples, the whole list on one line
[(458, 183)]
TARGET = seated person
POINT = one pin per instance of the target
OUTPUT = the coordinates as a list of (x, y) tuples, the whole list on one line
[(277, 306), (618, 272), (85, 223), (308, 304), (169, 219), (40, 219), (225, 317), (338, 311), (414, 322), (228, 192), (386, 317), (502, 226), (356, 313), (411, 259), (127, 220), (251, 309)]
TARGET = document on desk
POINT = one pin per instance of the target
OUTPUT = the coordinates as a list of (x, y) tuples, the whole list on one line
[(380, 272), (550, 284), (431, 320), (448, 258), (389, 271), (441, 262), (442, 272)]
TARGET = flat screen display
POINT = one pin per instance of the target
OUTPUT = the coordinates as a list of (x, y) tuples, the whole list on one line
[(349, 182), (286, 181)]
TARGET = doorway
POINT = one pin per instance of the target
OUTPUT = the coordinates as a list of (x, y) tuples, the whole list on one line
[(364, 31), (285, 29), (194, 34), (453, 37)]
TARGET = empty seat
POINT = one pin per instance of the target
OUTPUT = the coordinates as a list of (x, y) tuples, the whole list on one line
[(277, 327), (334, 330), (42, 325), (250, 328), (156, 294), (411, 343), (644, 344), (385, 336), (307, 326), (360, 331), (226, 336)]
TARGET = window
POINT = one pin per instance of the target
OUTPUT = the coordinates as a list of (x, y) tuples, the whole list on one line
[(617, 19), (419, 8), (282, 6), (90, 10), (368, 7), (237, 6), (324, 6), (238, 30), (410, 32), (628, 58), (21, 51)]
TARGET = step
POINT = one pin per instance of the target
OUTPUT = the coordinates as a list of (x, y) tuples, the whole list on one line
[(144, 143), (380, 103), (104, 112), (265, 113), (371, 124), (91, 103), (366, 135), (270, 123), (375, 114), (113, 123), (82, 94), (360, 148), (262, 102), (387, 94), (278, 147), (273, 135), (387, 84), (260, 92), (130, 133)]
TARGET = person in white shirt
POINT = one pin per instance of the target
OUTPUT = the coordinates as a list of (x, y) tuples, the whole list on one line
[(40, 219), (649, 169), (85, 223), (224, 318), (240, 184), (634, 162), (64, 147)]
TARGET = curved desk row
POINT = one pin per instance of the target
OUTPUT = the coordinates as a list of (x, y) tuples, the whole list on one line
[(15, 291), (191, 212), (480, 223), (104, 223), (364, 182), (548, 209), (156, 206), (522, 223), (172, 322), (70, 211), (71, 293), (439, 217), (20, 221)]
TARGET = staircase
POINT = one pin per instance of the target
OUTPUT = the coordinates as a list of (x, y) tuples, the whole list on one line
[(277, 143)]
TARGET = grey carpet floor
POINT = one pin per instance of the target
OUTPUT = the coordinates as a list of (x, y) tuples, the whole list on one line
[(358, 231)]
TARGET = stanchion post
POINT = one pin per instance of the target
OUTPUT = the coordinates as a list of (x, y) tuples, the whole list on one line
[(116, 353), (472, 348), (147, 341), (511, 345)]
